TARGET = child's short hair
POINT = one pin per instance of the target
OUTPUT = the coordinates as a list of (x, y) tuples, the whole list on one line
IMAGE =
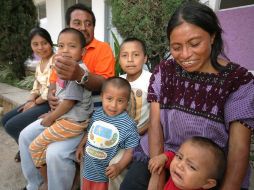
[(220, 161), (75, 32), (119, 83), (134, 39)]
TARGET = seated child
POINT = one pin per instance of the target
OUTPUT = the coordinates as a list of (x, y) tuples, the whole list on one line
[(132, 58), (110, 129), (75, 102), (199, 164)]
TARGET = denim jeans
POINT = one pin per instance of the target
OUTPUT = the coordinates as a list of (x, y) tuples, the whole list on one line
[(60, 157), (14, 122)]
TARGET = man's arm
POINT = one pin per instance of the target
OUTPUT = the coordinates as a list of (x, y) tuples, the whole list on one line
[(52, 99), (68, 69), (238, 156), (156, 145)]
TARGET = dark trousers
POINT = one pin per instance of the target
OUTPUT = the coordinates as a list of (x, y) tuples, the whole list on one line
[(137, 177), (14, 122)]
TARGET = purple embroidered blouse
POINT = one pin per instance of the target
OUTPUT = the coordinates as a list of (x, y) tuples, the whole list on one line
[(200, 104)]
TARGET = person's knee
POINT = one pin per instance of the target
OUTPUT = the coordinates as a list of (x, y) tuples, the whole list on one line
[(7, 126), (54, 155)]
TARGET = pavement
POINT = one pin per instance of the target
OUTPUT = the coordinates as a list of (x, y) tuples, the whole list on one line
[(11, 177)]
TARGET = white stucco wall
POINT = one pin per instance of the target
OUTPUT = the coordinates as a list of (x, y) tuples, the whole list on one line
[(98, 7), (55, 18)]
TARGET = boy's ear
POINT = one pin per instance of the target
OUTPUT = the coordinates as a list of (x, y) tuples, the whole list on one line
[(83, 51), (209, 184), (146, 58)]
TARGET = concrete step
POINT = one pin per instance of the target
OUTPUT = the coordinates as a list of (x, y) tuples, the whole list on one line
[(11, 97)]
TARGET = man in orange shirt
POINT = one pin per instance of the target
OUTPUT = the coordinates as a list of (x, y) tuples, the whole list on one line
[(98, 58), (60, 156)]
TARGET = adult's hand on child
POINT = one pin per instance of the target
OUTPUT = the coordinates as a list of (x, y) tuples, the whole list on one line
[(52, 99), (67, 68), (113, 171), (47, 120), (156, 164), (79, 153)]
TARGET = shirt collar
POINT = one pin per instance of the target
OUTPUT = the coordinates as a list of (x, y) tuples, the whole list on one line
[(92, 44)]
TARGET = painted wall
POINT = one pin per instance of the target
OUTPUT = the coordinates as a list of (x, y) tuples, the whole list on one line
[(238, 26)]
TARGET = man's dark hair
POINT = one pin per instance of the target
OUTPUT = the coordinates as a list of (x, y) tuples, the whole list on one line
[(119, 83), (81, 7), (76, 32)]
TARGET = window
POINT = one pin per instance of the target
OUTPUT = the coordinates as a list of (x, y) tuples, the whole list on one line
[(225, 4), (41, 9), (68, 3)]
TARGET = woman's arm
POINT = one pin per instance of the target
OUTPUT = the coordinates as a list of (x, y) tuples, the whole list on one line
[(156, 144), (238, 156)]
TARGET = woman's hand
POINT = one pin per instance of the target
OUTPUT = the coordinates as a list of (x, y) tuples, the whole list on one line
[(27, 106), (157, 163)]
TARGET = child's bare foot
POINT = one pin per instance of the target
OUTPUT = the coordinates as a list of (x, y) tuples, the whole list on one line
[(43, 186)]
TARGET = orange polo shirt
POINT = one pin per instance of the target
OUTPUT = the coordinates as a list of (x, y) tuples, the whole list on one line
[(98, 58)]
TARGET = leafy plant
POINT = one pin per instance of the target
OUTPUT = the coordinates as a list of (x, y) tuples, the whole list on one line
[(147, 20), (16, 20), (118, 69), (7, 76), (26, 83)]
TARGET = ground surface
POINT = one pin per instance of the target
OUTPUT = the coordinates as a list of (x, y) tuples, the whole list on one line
[(11, 177)]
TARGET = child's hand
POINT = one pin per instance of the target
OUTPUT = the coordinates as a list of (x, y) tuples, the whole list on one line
[(113, 171), (156, 164), (47, 121), (79, 153)]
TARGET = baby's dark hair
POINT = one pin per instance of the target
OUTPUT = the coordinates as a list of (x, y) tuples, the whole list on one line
[(134, 39), (75, 32), (219, 166), (119, 83)]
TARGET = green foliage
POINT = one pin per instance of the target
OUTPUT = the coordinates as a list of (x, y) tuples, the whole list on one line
[(7, 76), (16, 20), (118, 69), (147, 20), (27, 82)]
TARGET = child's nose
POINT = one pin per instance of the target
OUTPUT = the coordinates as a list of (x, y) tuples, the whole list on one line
[(130, 58), (113, 104), (180, 165)]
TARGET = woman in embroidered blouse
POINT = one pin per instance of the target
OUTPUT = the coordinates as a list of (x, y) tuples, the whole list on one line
[(17, 119), (197, 93)]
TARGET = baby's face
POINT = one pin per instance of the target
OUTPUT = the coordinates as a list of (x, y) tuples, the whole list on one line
[(69, 45), (191, 167)]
